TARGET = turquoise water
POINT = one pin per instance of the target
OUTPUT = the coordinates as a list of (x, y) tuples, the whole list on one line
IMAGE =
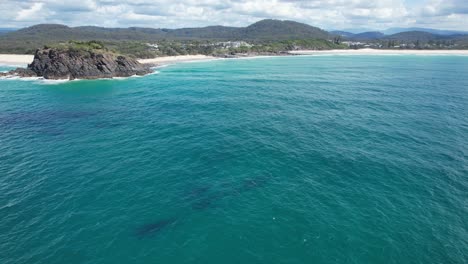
[(332, 159)]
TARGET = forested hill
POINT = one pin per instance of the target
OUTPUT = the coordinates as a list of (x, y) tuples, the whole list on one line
[(406, 36), (262, 30), (280, 30), (416, 36), (271, 35)]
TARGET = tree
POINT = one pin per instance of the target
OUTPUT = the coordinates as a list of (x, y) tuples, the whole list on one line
[(337, 40)]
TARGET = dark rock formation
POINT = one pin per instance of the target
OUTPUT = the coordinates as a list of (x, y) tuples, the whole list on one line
[(20, 72), (79, 64)]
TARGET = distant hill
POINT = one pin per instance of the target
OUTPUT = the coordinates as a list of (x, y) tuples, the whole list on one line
[(442, 32), (277, 29), (360, 36), (368, 35), (444, 40), (211, 32), (54, 32), (268, 29), (262, 30), (396, 30), (345, 34), (26, 40), (357, 30), (415, 36), (6, 30), (132, 40)]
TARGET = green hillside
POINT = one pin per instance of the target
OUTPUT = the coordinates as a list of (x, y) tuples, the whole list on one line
[(28, 39), (282, 30), (415, 36), (266, 36)]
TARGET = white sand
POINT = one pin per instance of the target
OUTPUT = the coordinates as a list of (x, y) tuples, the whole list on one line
[(175, 59), (22, 60), (15, 60), (379, 52)]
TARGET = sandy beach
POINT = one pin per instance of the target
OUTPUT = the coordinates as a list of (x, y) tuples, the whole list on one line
[(175, 59), (379, 52), (15, 60), (23, 60)]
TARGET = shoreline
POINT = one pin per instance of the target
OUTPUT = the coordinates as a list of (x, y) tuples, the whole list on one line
[(167, 60), (379, 52), (15, 59), (19, 60)]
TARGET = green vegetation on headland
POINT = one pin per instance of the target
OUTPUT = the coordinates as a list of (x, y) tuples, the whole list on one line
[(79, 46), (217, 48), (138, 49), (264, 37), (79, 60)]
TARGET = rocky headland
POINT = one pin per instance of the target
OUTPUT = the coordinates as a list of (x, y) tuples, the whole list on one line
[(72, 63)]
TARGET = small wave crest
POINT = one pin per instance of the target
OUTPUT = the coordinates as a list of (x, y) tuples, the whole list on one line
[(42, 80)]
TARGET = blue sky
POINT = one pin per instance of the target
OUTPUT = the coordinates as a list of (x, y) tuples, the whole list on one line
[(327, 14)]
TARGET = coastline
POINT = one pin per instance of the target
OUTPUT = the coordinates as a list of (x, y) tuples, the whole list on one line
[(15, 59), (22, 60), (379, 52), (159, 61)]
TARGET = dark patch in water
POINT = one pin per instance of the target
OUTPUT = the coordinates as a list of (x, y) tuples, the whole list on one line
[(256, 182), (202, 198), (153, 228)]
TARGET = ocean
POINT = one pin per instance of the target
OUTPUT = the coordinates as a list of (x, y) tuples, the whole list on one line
[(307, 159)]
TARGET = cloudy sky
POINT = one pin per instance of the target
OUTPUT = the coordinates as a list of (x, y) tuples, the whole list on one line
[(327, 14)]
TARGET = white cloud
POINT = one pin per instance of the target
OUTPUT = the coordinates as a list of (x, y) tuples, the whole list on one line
[(329, 14), (29, 14), (446, 8)]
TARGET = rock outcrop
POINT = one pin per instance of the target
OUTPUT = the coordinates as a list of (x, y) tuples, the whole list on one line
[(79, 64)]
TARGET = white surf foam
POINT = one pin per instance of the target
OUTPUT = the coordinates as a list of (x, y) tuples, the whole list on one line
[(41, 80)]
